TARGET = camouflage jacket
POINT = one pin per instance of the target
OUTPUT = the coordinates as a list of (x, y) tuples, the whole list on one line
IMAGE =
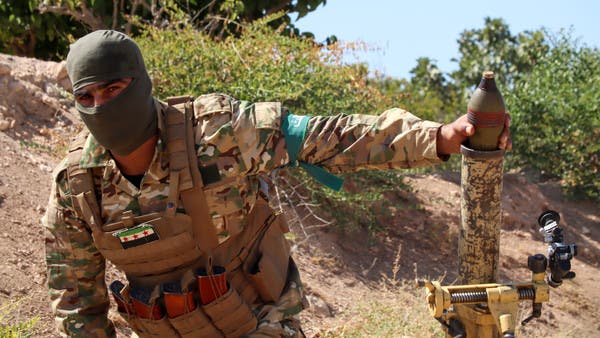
[(238, 141)]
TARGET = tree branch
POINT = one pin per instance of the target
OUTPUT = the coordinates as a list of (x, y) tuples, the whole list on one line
[(278, 7), (84, 15), (134, 6), (157, 11), (115, 13)]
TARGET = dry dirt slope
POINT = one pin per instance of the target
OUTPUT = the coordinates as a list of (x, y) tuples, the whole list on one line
[(343, 271)]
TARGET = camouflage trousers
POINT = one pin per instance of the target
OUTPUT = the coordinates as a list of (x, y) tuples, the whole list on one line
[(289, 328)]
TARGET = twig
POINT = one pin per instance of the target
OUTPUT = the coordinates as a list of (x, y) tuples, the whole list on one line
[(84, 15), (396, 266), (288, 194), (317, 226), (239, 56), (367, 270), (415, 270), (134, 6)]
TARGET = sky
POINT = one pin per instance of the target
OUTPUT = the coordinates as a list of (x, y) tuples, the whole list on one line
[(404, 30)]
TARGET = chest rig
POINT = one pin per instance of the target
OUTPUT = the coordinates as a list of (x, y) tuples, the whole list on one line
[(255, 262)]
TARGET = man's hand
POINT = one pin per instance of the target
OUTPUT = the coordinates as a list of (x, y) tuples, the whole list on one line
[(451, 136)]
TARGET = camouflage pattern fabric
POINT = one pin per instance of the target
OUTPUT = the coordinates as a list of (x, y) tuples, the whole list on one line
[(280, 319), (242, 140)]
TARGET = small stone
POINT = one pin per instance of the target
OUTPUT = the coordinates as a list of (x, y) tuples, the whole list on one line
[(585, 231), (45, 167), (4, 125), (24, 252), (319, 306)]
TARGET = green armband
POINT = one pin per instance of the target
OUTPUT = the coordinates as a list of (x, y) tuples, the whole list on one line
[(294, 130)]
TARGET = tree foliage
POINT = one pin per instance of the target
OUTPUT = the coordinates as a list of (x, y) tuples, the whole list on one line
[(556, 117), (432, 92), (495, 48), (27, 32), (261, 64), (44, 28), (221, 18)]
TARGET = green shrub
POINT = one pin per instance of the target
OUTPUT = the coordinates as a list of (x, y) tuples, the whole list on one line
[(261, 65), (556, 117)]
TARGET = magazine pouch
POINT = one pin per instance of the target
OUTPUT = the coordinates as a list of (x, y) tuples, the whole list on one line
[(230, 314)]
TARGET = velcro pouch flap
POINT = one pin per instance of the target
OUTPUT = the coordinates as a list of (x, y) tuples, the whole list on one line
[(269, 274), (195, 324), (231, 315), (155, 328), (238, 280)]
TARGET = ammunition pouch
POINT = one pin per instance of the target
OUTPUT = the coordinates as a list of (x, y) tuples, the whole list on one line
[(195, 324), (227, 316), (256, 276), (267, 270)]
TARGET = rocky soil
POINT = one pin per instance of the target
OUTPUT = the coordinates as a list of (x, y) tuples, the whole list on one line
[(340, 268)]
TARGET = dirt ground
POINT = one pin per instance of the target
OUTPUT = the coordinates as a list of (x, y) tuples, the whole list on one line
[(418, 238)]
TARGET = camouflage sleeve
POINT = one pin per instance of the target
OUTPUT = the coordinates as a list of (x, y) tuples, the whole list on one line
[(393, 139), (247, 138), (75, 270)]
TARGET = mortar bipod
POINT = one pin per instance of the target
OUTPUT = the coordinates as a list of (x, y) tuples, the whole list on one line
[(494, 307), (491, 310)]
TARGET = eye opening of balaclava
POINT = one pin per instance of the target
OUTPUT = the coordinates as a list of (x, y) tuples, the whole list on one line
[(126, 121)]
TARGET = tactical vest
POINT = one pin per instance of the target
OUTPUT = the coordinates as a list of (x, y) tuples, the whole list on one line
[(256, 261)]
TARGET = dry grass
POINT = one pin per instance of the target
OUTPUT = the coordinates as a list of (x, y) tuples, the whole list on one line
[(402, 314)]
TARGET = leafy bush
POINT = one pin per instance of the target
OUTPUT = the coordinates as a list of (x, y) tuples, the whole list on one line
[(556, 117), (27, 32), (261, 65)]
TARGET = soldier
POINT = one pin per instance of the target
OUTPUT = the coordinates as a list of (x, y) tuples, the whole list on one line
[(169, 215)]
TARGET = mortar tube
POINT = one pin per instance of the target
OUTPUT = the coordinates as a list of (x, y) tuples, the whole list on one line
[(481, 215), (479, 241)]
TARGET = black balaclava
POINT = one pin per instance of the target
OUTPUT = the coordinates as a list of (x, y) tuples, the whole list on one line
[(128, 120)]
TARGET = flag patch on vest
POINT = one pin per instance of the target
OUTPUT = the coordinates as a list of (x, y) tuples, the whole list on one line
[(138, 235)]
